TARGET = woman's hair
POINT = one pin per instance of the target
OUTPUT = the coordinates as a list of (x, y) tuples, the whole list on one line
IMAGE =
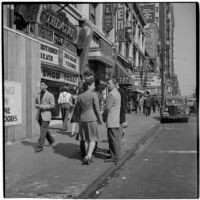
[(86, 84)]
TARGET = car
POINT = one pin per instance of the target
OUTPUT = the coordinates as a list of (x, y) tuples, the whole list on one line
[(175, 108), (192, 105)]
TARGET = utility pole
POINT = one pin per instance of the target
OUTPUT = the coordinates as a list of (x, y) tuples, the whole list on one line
[(162, 37)]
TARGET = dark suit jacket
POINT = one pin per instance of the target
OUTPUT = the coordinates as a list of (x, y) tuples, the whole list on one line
[(123, 105)]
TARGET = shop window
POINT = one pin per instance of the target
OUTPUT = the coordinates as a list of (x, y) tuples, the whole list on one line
[(92, 13)]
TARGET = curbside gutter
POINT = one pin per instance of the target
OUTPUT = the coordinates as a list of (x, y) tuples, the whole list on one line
[(90, 190)]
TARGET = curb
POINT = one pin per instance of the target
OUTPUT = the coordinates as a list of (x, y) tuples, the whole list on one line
[(90, 190)]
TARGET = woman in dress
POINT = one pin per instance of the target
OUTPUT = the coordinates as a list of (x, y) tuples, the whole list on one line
[(89, 118)]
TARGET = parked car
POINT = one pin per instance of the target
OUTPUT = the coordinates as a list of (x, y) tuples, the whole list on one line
[(192, 105), (175, 107)]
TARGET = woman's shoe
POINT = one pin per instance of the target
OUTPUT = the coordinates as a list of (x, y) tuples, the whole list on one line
[(87, 161)]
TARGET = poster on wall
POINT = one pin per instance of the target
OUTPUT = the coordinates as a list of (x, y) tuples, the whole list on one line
[(12, 103)]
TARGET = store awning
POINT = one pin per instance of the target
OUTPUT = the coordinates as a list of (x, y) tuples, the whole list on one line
[(123, 76), (99, 56)]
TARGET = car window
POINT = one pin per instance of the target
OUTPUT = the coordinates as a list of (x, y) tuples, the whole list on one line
[(174, 101)]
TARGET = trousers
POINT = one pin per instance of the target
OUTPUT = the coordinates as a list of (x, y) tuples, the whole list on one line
[(115, 142), (44, 133), (65, 109)]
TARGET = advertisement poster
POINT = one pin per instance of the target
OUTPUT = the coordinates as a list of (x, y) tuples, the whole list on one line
[(12, 103)]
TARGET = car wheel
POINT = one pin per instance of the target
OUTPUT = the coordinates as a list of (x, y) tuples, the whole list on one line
[(186, 120)]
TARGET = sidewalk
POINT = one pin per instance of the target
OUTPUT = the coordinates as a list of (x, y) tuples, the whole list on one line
[(58, 172)]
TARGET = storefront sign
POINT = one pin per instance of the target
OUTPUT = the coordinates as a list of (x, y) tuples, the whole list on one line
[(121, 22), (55, 75), (148, 11), (59, 22), (70, 62), (13, 103), (108, 18), (147, 80), (49, 53)]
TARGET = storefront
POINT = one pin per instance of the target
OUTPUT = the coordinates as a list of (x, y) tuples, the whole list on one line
[(43, 47)]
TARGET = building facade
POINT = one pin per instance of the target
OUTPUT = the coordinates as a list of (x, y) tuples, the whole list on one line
[(60, 42)]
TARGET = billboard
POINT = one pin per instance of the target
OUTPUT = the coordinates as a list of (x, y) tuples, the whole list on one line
[(13, 103), (148, 11), (151, 34)]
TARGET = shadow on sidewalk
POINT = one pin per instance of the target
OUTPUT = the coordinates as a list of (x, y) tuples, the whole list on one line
[(157, 118), (69, 150), (28, 143)]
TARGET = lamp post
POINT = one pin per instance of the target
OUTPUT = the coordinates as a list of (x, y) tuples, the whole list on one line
[(161, 52)]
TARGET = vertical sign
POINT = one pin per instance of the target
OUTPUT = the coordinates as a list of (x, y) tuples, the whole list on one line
[(108, 18), (13, 103), (148, 11), (120, 22)]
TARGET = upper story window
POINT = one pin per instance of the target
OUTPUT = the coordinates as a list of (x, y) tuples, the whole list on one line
[(156, 9), (93, 7)]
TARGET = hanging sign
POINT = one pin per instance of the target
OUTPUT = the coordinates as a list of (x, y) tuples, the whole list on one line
[(120, 22), (108, 18), (13, 103)]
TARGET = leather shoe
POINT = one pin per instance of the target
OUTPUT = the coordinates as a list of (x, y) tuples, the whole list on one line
[(51, 144), (38, 150)]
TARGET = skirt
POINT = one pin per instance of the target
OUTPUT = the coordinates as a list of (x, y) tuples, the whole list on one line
[(89, 131)]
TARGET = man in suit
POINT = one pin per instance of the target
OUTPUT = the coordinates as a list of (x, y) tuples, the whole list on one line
[(44, 102), (112, 117), (123, 107)]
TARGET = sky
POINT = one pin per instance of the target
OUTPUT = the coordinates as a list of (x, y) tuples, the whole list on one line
[(185, 46)]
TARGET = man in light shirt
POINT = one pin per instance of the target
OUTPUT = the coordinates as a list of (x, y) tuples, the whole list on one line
[(65, 101)]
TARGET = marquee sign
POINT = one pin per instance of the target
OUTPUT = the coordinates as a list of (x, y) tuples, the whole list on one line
[(70, 62), (58, 76), (58, 22), (49, 53)]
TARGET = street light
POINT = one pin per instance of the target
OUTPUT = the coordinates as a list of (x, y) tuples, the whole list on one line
[(161, 52)]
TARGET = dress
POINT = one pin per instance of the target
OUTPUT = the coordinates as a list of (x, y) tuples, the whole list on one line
[(89, 115)]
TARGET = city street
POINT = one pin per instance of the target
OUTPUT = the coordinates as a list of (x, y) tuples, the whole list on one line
[(58, 172), (166, 167)]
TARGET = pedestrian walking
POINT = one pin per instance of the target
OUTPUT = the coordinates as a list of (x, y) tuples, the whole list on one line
[(112, 117), (140, 104), (122, 109), (73, 120), (137, 105), (44, 102), (153, 103), (89, 118), (147, 105), (65, 102)]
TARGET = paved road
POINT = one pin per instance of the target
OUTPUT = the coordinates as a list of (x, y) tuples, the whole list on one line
[(165, 167)]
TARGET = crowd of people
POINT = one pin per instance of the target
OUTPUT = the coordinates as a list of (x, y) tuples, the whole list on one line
[(85, 110), (88, 110)]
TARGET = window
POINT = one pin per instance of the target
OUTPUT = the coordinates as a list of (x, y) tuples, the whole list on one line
[(156, 19), (93, 7), (156, 9)]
